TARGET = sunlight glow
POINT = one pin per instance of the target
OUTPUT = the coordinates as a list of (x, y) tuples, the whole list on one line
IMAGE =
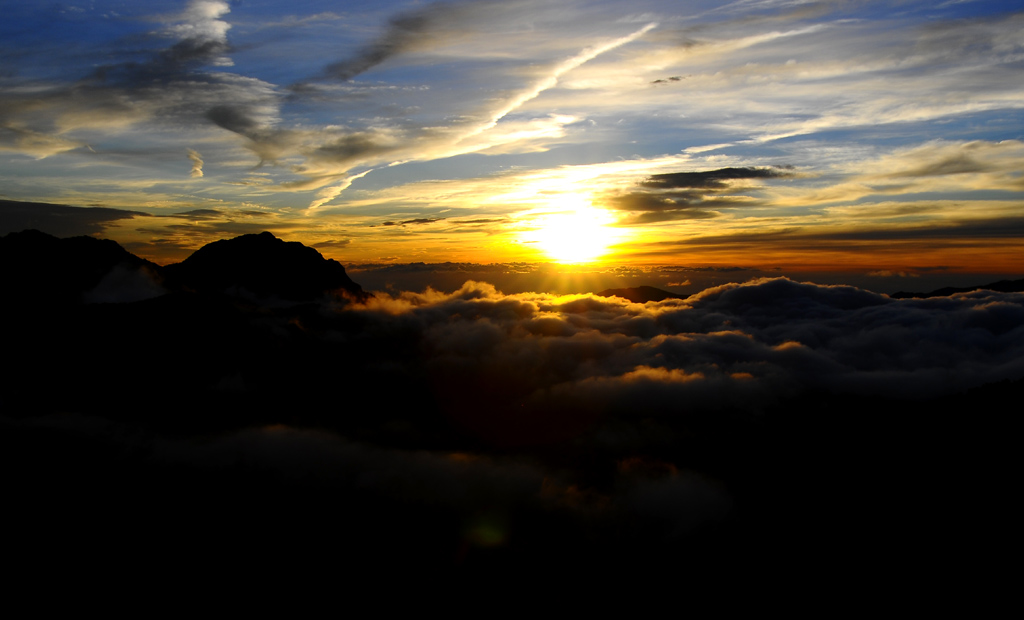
[(575, 233)]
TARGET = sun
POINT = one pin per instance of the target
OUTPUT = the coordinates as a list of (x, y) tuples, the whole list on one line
[(575, 233)]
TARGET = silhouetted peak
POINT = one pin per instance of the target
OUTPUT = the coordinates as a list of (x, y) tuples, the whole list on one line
[(36, 267), (265, 266), (640, 294), (28, 236), (1002, 286)]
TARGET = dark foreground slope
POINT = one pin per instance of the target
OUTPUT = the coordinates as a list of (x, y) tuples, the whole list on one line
[(236, 433)]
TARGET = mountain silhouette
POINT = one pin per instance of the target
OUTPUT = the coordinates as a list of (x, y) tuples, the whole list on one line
[(1002, 286), (264, 266), (640, 294), (37, 269)]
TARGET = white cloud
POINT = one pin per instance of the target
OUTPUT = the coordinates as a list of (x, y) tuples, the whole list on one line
[(197, 163)]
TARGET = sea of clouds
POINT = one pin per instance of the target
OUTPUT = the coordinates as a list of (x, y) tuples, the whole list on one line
[(737, 345)]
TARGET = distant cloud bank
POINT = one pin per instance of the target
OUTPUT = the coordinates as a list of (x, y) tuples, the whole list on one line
[(743, 346)]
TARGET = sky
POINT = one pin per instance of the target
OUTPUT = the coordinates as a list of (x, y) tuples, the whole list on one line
[(518, 156), (876, 140)]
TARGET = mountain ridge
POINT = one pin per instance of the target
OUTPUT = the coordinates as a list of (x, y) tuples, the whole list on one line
[(263, 265), (640, 294), (39, 268), (1002, 286)]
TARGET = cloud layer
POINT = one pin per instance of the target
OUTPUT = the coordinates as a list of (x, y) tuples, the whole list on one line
[(738, 345)]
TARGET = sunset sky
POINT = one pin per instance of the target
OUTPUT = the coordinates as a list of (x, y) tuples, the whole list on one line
[(866, 137)]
